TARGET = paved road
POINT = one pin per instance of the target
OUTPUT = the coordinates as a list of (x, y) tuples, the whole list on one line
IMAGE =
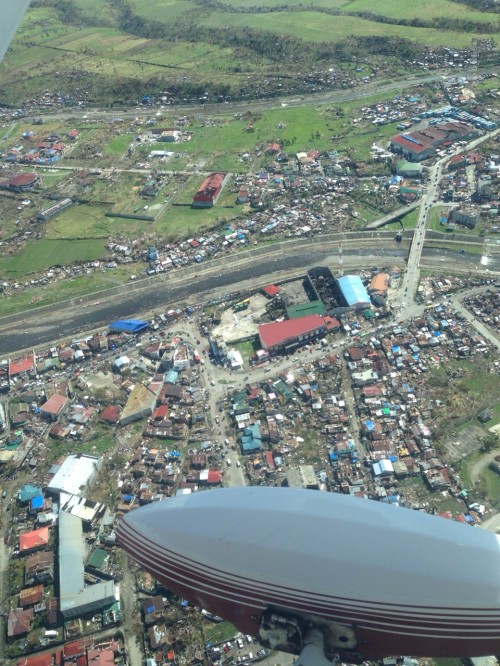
[(411, 278), (393, 216), (329, 97)]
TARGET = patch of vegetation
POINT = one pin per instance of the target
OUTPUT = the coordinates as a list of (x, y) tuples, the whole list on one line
[(219, 632)]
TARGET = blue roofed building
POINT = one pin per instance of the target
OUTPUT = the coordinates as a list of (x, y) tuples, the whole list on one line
[(251, 440), (354, 291), (128, 326)]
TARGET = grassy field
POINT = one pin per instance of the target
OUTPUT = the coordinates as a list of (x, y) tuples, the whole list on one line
[(317, 27), (73, 288), (42, 254), (80, 221), (421, 9)]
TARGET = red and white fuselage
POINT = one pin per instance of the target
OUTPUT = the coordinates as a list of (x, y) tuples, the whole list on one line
[(405, 582)]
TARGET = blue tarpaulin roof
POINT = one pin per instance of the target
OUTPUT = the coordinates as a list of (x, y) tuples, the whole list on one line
[(37, 502), (128, 325)]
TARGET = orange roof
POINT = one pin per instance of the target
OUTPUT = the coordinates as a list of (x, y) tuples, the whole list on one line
[(379, 282), (30, 595), (34, 539)]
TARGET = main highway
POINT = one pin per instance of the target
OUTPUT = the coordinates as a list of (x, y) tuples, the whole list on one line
[(334, 96)]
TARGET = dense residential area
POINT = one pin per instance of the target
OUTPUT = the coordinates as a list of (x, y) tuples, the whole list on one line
[(243, 245), (312, 386)]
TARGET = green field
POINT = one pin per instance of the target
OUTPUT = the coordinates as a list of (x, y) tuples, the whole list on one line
[(71, 288), (313, 26), (41, 254), (168, 38), (420, 9)]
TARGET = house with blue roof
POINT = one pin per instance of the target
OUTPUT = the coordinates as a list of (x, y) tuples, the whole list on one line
[(251, 440), (28, 492)]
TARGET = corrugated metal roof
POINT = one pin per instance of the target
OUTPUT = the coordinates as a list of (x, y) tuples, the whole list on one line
[(75, 472)]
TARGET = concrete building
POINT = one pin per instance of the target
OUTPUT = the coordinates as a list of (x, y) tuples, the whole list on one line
[(180, 358), (76, 473), (76, 598), (302, 476), (467, 216)]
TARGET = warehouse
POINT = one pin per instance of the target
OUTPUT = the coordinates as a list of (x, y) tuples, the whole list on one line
[(354, 291), (52, 211), (139, 405), (422, 144)]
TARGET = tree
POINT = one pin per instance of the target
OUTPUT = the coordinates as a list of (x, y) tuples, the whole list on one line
[(490, 442)]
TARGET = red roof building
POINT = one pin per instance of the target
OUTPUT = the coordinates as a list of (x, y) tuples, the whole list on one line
[(23, 182), (421, 144), (98, 657), (111, 414), (281, 335), (34, 539), (77, 648), (22, 365), (214, 477), (43, 659), (210, 190), (19, 622), (160, 413), (30, 596)]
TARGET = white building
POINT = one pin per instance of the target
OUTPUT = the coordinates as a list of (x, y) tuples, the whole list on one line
[(75, 475)]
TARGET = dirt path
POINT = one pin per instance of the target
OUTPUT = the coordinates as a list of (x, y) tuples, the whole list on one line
[(130, 617), (480, 464)]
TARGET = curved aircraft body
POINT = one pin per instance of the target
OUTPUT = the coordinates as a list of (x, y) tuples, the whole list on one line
[(378, 580), (12, 13)]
